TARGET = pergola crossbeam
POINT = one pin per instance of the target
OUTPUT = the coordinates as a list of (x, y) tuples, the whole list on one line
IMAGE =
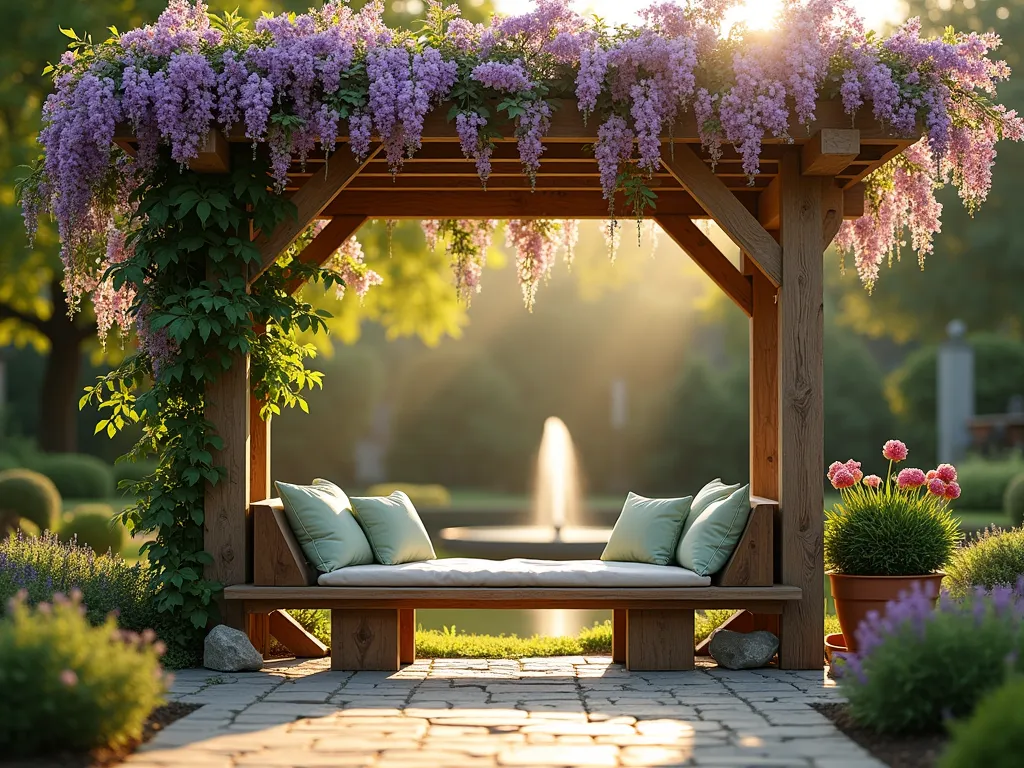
[(310, 201), (739, 224), (710, 259), (508, 204)]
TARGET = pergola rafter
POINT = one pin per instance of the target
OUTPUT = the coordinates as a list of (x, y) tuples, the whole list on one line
[(782, 221)]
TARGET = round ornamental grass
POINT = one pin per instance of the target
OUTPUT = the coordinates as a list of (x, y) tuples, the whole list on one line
[(993, 558), (894, 535)]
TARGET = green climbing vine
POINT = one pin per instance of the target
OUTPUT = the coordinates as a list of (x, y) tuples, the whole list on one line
[(190, 254)]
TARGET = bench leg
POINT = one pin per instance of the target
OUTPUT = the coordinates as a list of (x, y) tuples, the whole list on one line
[(619, 636), (659, 639), (364, 639), (407, 635), (258, 629)]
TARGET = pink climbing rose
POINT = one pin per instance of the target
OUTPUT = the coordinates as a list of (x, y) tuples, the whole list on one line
[(895, 450), (911, 478), (872, 481)]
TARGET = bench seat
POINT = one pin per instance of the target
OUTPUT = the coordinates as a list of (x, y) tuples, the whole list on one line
[(516, 572), (373, 607)]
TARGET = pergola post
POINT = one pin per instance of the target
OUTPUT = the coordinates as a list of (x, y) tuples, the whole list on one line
[(258, 625), (801, 378), (227, 529)]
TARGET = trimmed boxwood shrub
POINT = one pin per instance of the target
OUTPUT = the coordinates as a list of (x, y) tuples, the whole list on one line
[(993, 736), (420, 495), (70, 685), (78, 475), (993, 558), (27, 495), (132, 471), (1013, 500), (984, 481), (93, 525)]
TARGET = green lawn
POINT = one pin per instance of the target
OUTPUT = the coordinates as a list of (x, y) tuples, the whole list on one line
[(496, 500)]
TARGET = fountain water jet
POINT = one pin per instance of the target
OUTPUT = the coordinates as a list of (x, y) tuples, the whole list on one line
[(557, 495), (557, 533)]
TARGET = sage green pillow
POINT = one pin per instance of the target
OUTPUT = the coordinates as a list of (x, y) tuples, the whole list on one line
[(647, 530), (320, 516), (706, 546), (714, 491), (394, 528)]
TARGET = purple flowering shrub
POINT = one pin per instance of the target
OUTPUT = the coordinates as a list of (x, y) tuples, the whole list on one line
[(919, 665), (41, 566), (69, 685)]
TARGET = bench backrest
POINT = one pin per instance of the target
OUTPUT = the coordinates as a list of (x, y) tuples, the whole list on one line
[(277, 557), (278, 560)]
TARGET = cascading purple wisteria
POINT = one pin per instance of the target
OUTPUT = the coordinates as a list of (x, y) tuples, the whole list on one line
[(468, 126), (298, 81)]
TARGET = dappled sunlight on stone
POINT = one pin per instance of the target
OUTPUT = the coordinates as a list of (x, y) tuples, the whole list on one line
[(568, 711)]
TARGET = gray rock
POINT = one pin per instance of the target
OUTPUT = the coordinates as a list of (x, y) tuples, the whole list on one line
[(743, 650), (229, 650)]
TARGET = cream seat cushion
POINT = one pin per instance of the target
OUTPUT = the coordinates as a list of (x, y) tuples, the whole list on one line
[(519, 572)]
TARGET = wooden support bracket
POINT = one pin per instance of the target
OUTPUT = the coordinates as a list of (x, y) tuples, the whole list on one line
[(310, 201), (293, 636), (830, 151), (714, 197), (712, 261)]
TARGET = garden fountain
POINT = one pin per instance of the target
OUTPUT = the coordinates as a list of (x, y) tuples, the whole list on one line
[(558, 511)]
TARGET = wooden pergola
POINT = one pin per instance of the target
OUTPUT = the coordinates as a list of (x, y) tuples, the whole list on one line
[(782, 224)]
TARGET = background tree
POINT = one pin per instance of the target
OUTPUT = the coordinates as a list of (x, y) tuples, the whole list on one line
[(32, 303), (976, 270)]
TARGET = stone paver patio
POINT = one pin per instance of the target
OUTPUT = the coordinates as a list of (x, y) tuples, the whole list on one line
[(568, 711)]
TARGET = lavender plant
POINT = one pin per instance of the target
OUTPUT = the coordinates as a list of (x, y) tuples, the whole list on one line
[(41, 566), (917, 666)]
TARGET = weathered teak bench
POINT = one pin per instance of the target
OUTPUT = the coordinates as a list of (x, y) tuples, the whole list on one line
[(374, 628)]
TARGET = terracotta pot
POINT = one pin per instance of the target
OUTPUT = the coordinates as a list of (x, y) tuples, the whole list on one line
[(834, 644), (855, 596)]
